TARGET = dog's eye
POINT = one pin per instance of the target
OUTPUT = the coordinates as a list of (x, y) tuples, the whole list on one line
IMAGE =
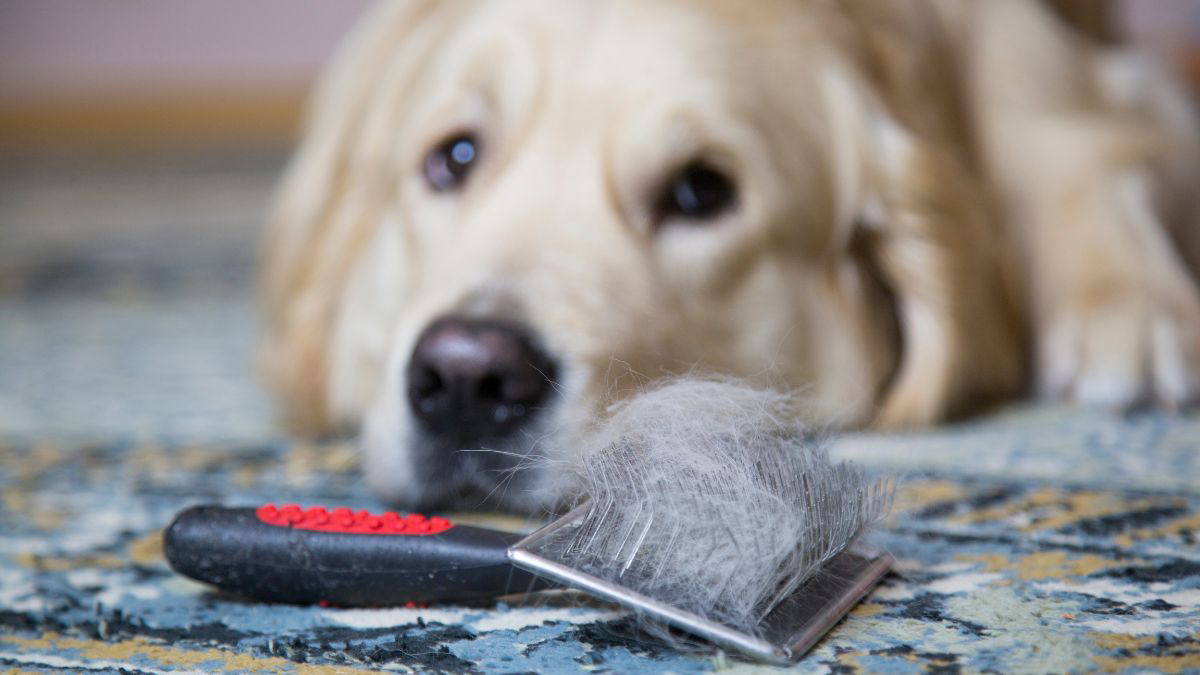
[(696, 192), (448, 164)]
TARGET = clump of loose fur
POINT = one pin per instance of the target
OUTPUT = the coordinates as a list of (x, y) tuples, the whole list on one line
[(712, 496)]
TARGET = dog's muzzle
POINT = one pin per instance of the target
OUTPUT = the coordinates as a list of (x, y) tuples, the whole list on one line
[(473, 384)]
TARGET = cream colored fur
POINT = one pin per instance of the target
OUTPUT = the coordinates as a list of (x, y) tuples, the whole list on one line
[(941, 202)]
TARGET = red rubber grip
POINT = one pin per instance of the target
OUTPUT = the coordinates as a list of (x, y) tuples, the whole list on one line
[(346, 520)]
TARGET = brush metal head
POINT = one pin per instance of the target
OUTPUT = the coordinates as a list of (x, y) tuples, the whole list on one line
[(783, 636)]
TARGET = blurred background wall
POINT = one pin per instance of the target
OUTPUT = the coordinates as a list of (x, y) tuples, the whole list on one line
[(142, 72)]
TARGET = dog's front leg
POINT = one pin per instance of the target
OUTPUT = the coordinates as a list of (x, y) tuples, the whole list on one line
[(1091, 170), (1117, 317)]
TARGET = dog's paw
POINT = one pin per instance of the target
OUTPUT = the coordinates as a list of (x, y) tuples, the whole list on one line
[(1123, 352)]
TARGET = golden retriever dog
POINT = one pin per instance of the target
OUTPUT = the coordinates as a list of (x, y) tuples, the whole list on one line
[(505, 215)]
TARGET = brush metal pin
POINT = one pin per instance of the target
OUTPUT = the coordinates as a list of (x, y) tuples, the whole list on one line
[(784, 635)]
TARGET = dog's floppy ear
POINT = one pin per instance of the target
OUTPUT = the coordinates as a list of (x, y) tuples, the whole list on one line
[(925, 224), (331, 200)]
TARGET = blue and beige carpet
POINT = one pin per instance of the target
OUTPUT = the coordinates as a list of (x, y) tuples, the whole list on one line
[(1034, 539)]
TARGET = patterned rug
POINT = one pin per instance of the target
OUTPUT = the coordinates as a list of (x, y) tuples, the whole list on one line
[(1035, 539), (992, 575)]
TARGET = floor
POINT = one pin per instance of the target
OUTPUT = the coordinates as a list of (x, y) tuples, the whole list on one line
[(1033, 539)]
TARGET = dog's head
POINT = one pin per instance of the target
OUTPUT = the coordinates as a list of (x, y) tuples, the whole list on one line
[(505, 215)]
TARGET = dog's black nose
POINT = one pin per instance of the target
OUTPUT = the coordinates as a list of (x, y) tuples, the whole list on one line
[(472, 380)]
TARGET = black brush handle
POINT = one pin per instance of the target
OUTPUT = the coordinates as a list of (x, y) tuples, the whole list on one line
[(341, 557)]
